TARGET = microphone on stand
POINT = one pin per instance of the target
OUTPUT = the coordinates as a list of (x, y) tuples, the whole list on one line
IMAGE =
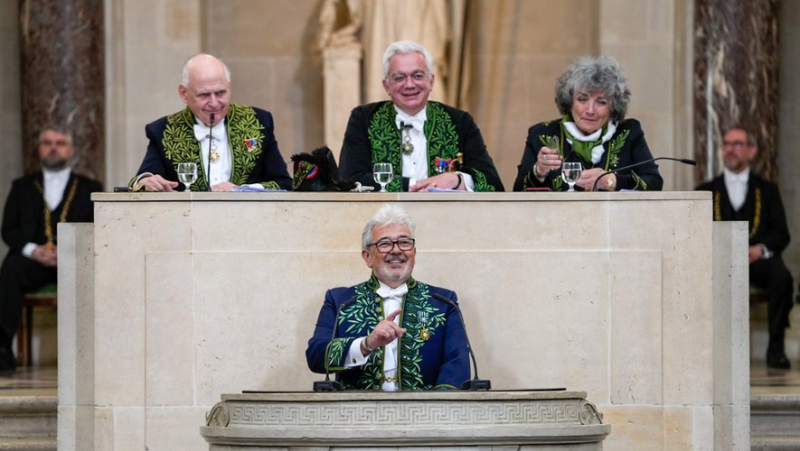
[(210, 142), (475, 383), (614, 171), (328, 384)]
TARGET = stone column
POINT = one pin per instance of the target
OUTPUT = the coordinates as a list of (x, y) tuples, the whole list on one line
[(736, 79), (62, 77), (342, 75)]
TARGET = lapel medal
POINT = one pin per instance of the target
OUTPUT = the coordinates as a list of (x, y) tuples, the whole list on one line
[(251, 144), (424, 334), (213, 155)]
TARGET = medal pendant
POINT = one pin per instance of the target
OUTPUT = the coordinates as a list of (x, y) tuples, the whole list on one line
[(424, 334), (408, 147), (214, 156)]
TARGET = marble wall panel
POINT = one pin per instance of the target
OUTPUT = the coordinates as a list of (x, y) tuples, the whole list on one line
[(122, 325), (62, 81), (11, 114), (76, 315), (169, 347), (128, 431), (635, 312), (732, 427), (180, 427), (536, 230), (732, 314), (736, 80), (685, 304)]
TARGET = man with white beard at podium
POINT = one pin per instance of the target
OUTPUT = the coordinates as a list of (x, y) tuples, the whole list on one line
[(392, 332)]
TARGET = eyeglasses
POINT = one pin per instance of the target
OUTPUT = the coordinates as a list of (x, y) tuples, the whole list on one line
[(736, 144), (386, 246)]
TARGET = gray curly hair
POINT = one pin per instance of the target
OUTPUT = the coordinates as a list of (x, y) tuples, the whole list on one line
[(594, 74), (386, 215)]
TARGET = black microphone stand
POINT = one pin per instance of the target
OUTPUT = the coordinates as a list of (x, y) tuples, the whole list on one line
[(328, 384), (476, 383), (614, 171), (210, 143)]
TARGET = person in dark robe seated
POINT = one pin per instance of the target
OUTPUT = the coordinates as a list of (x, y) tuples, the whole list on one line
[(393, 332), (36, 204), (232, 145), (592, 97), (741, 195), (429, 144)]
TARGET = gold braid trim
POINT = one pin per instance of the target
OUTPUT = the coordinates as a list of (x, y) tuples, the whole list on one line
[(48, 227), (756, 213)]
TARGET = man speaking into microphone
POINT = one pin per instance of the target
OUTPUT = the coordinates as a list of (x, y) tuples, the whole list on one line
[(232, 144), (391, 332)]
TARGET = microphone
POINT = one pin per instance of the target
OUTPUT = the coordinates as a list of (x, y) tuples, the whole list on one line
[(475, 383), (680, 160), (210, 142), (328, 384)]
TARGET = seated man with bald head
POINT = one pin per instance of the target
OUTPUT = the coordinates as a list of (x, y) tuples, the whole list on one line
[(232, 144)]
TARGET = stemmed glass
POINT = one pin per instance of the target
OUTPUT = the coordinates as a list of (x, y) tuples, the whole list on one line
[(187, 174), (571, 173), (383, 174)]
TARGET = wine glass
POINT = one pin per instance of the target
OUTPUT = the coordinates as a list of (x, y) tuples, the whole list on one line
[(383, 174), (187, 174), (571, 173)]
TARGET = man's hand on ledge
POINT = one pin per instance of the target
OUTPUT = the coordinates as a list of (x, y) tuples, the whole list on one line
[(223, 186), (447, 180), (157, 183)]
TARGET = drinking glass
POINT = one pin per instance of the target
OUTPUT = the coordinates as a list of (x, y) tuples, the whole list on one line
[(571, 173), (187, 174), (383, 173)]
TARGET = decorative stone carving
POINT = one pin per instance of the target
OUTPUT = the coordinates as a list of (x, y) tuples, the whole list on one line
[(408, 418)]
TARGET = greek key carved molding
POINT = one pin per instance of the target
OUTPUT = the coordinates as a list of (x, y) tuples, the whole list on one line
[(400, 414)]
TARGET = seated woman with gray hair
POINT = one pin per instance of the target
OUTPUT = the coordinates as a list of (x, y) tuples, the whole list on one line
[(593, 98)]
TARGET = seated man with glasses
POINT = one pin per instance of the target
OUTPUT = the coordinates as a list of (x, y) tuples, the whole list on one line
[(742, 195), (393, 332)]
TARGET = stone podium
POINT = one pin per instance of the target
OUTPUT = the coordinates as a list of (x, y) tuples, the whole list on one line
[(556, 420), (170, 300)]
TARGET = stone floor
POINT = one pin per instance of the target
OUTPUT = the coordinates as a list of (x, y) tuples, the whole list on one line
[(28, 380)]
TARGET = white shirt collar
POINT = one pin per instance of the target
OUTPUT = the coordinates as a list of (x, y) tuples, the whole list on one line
[(731, 177), (417, 120)]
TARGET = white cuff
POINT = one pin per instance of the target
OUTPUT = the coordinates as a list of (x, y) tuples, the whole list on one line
[(468, 182), (766, 253), (140, 177), (354, 355), (28, 249)]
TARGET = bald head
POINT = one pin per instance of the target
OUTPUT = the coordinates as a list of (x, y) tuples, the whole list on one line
[(206, 88)]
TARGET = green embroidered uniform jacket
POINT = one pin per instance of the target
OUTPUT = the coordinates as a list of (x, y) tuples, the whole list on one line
[(251, 136), (372, 136), (432, 354), (626, 147)]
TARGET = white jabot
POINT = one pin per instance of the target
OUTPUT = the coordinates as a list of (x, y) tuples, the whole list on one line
[(392, 300), (415, 165), (386, 292), (55, 183), (597, 151), (221, 169), (736, 185)]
